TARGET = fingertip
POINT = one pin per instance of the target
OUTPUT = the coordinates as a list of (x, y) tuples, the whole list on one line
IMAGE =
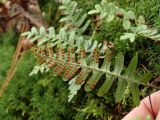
[(145, 109), (155, 102), (158, 116), (139, 112)]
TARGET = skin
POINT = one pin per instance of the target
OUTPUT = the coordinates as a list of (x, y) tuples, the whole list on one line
[(144, 109)]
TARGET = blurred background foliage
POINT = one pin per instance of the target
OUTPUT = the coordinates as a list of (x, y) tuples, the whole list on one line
[(46, 98)]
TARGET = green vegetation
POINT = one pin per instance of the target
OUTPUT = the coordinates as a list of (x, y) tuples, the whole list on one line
[(132, 60)]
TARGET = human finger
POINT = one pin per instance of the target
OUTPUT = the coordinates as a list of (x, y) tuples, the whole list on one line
[(145, 109), (158, 116)]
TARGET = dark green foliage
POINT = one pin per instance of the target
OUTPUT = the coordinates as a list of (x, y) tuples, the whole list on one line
[(88, 5), (49, 8)]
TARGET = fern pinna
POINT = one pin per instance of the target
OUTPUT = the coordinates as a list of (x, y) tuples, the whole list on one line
[(79, 69), (74, 17)]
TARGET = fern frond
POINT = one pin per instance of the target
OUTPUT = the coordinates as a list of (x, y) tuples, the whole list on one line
[(82, 70), (75, 16), (63, 37), (136, 25), (108, 11), (143, 30)]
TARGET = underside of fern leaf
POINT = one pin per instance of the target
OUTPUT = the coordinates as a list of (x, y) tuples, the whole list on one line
[(79, 68)]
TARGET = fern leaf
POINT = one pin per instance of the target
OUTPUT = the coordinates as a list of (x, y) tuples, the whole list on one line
[(108, 11), (130, 71), (70, 55), (84, 27), (81, 71), (73, 87), (120, 91), (109, 78), (143, 30), (63, 37), (74, 7), (74, 16), (135, 93), (106, 85), (118, 66), (129, 74), (81, 20), (77, 15), (145, 77), (92, 82), (41, 41), (64, 19)]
